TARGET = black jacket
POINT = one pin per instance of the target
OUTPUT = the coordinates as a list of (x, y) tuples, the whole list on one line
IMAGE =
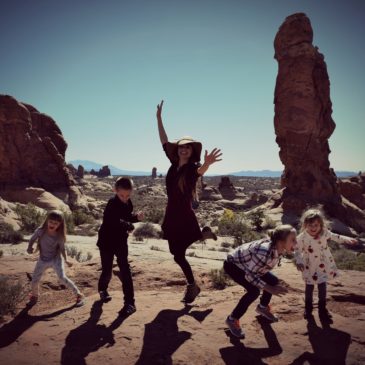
[(117, 221)]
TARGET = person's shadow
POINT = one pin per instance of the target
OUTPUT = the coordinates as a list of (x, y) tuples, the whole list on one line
[(239, 354), (329, 345), (162, 336), (89, 337), (22, 322)]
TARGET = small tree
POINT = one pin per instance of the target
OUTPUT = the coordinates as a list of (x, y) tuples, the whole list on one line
[(256, 218)]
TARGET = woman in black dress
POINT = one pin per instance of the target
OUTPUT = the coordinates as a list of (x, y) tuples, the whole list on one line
[(180, 226)]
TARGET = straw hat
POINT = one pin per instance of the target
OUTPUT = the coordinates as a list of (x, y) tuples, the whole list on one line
[(197, 147)]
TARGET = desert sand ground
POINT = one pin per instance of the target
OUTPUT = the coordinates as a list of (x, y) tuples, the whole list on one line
[(163, 330)]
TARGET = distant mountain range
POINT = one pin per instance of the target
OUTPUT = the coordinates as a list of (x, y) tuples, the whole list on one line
[(88, 165), (271, 173)]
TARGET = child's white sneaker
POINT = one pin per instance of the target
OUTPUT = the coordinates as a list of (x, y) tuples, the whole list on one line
[(80, 300)]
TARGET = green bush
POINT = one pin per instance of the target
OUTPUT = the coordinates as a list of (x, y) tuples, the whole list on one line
[(80, 217), (233, 224), (11, 294), (8, 234), (269, 223), (69, 221), (246, 236), (155, 215), (226, 244), (146, 230), (220, 279), (346, 259), (77, 254), (256, 218), (30, 217), (156, 248)]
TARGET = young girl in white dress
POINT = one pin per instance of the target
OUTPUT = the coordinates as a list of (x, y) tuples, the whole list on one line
[(314, 259)]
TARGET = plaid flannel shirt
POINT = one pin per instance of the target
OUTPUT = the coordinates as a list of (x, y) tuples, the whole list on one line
[(255, 259)]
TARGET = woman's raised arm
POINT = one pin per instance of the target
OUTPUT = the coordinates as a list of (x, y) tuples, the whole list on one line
[(161, 129)]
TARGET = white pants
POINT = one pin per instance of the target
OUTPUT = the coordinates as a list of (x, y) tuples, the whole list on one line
[(58, 267)]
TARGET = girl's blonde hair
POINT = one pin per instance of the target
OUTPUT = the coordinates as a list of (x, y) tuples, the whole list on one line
[(281, 233), (311, 215), (58, 216)]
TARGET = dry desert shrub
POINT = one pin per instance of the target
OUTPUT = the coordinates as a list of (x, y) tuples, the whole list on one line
[(77, 254), (11, 294), (220, 279), (146, 230), (234, 225), (9, 235)]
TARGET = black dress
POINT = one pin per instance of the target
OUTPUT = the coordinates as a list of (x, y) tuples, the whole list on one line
[(180, 226)]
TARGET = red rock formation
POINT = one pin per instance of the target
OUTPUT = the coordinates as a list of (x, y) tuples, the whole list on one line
[(32, 151), (226, 188), (303, 121), (303, 124), (353, 189)]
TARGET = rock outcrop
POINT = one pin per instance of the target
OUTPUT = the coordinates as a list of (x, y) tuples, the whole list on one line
[(103, 172), (353, 189), (226, 188), (303, 116), (154, 173), (80, 172), (32, 152), (303, 124)]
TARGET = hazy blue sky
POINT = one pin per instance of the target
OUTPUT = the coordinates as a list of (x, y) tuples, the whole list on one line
[(100, 67)]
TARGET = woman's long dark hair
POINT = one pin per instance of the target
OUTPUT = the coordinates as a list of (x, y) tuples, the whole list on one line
[(183, 182)]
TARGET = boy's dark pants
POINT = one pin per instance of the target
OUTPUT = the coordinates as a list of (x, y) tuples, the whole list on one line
[(253, 292), (107, 257)]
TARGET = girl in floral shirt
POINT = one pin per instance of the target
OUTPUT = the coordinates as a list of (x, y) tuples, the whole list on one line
[(314, 259)]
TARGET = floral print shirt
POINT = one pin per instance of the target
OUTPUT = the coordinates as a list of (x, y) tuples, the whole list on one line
[(316, 257)]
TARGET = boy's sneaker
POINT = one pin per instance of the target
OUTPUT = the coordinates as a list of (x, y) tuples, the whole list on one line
[(266, 312), (80, 300), (208, 233), (104, 296), (235, 327), (191, 292), (128, 310), (32, 301)]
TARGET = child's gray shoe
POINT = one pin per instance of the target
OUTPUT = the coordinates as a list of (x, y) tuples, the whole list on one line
[(235, 327)]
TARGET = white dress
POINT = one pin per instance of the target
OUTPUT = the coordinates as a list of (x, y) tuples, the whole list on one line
[(315, 254)]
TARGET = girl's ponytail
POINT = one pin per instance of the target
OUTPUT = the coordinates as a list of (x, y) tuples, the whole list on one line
[(280, 233)]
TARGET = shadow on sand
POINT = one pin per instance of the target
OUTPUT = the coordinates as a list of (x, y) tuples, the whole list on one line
[(162, 336), (89, 337), (239, 354), (329, 345), (22, 322)]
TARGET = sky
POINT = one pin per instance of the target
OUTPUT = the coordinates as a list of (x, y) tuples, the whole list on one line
[(99, 68)]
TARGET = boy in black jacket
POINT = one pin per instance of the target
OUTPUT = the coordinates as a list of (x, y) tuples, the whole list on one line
[(112, 241)]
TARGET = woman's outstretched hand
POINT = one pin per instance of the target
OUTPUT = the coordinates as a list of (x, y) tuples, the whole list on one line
[(159, 110), (210, 158)]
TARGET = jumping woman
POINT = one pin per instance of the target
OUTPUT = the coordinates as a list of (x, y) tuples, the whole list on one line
[(180, 226)]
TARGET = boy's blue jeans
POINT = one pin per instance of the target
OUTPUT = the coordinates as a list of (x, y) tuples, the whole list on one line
[(253, 292)]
